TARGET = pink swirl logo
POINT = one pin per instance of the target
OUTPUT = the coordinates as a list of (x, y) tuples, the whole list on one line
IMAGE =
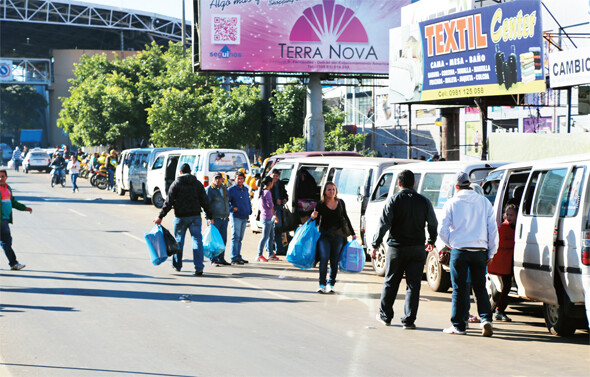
[(328, 22)]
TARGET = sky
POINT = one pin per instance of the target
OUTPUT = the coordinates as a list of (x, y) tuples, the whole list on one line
[(567, 12)]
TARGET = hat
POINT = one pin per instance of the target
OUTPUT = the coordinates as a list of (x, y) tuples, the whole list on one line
[(462, 179), (218, 175), (185, 168)]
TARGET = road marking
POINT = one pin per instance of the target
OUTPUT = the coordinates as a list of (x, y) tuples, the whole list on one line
[(247, 284), (77, 213), (134, 237)]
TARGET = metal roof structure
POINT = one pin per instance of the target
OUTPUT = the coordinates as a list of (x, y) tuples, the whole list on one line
[(32, 28)]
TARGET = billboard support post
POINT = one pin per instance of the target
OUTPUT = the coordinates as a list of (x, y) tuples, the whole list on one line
[(268, 85), (409, 131), (483, 111), (314, 119)]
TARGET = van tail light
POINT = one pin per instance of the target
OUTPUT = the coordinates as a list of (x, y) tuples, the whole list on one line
[(205, 181), (586, 248)]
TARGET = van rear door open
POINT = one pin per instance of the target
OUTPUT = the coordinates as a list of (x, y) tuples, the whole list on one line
[(536, 234)]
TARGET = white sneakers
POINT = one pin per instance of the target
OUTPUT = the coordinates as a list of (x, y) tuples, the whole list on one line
[(330, 288), (454, 330), (17, 266), (486, 329)]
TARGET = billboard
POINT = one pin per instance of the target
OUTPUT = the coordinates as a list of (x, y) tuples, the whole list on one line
[(489, 51), (335, 36), (569, 68)]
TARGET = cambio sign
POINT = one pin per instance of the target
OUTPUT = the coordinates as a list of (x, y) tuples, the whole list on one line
[(341, 36), (569, 68)]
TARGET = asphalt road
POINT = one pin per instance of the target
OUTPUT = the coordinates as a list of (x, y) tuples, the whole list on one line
[(89, 303)]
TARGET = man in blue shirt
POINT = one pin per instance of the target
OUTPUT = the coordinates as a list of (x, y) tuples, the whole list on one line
[(240, 209)]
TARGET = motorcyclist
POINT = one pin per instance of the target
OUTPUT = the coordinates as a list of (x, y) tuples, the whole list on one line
[(59, 164), (111, 165)]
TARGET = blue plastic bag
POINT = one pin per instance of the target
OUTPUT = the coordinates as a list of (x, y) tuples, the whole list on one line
[(156, 245), (212, 242), (302, 248), (352, 258)]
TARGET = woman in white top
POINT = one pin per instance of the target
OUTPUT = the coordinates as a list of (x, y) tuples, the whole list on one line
[(74, 169)]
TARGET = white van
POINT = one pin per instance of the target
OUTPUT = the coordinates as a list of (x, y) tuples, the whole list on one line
[(139, 161), (552, 238), (355, 178), (205, 163), (122, 171), (434, 180), (161, 174)]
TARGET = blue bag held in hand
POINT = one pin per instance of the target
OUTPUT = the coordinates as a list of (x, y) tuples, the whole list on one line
[(352, 258), (302, 248), (212, 242), (156, 245)]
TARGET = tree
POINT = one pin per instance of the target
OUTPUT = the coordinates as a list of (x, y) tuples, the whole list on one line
[(288, 109), (21, 107)]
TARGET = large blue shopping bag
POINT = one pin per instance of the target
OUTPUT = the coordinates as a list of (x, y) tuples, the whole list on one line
[(212, 242), (302, 248), (156, 245), (352, 258)]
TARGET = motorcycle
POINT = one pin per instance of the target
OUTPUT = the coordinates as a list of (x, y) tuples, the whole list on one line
[(58, 176), (99, 178)]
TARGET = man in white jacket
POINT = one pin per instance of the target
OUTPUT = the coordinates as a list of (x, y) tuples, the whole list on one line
[(469, 228)]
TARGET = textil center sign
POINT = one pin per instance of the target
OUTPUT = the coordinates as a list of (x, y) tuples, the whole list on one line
[(336, 36)]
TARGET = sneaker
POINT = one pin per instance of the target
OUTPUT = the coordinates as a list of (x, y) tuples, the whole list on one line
[(175, 268), (273, 257), (498, 316), (198, 273), (454, 330), (486, 329), (262, 259), (330, 289), (237, 262), (409, 326), (17, 266), (224, 263), (321, 289), (473, 319), (378, 318), (243, 261)]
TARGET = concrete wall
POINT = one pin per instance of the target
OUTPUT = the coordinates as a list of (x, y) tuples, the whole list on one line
[(63, 70)]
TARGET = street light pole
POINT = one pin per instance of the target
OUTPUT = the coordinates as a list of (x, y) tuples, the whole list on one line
[(183, 32)]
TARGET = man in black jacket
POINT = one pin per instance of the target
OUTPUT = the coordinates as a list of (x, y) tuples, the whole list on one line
[(279, 198), (187, 196), (405, 216)]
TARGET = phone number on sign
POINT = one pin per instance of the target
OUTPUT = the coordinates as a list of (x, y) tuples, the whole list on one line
[(461, 92)]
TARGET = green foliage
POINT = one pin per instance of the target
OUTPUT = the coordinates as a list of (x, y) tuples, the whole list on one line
[(337, 139), (288, 113), (21, 107)]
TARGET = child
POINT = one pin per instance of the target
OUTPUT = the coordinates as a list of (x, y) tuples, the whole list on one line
[(502, 263)]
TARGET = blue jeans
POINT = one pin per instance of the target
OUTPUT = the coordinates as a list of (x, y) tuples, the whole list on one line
[(329, 249), (409, 260), (193, 224), (111, 177), (268, 236), (238, 228), (463, 261), (278, 231), (221, 225), (6, 243), (74, 177)]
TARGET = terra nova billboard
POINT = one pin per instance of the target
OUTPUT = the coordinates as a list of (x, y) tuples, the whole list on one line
[(335, 36), (489, 51)]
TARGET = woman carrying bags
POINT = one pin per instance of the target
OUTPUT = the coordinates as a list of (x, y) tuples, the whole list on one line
[(268, 218), (335, 227)]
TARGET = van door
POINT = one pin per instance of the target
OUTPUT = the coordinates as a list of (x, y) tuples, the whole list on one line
[(377, 201), (125, 171), (536, 234), (351, 183)]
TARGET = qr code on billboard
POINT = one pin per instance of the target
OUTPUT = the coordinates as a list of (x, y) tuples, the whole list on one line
[(225, 29)]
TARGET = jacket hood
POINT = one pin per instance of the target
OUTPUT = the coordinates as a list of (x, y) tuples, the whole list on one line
[(469, 195), (187, 178)]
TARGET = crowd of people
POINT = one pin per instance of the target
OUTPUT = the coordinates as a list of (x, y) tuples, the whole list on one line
[(468, 228)]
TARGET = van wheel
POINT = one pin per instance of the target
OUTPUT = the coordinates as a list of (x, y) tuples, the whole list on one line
[(438, 279), (146, 199), (379, 261), (558, 323), (120, 191), (132, 195), (157, 199)]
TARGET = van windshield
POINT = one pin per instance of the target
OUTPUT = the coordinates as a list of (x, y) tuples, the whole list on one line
[(227, 161)]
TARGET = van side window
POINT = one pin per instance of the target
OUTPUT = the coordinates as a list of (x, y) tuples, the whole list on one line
[(382, 188), (397, 189), (349, 181), (187, 159), (438, 188), (572, 194), (546, 193), (285, 175), (158, 163)]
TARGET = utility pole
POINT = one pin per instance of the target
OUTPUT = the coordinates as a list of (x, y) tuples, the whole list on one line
[(183, 31), (314, 119)]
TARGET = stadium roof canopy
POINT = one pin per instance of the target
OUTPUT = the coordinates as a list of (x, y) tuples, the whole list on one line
[(32, 28)]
